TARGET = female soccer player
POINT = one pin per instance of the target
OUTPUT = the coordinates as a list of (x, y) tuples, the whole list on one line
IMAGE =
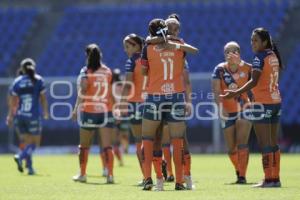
[(266, 111), (165, 101), (94, 102), (173, 25), (229, 75), (28, 90), (133, 89)]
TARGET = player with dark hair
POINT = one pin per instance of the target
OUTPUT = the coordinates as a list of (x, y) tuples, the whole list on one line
[(94, 106), (134, 86), (164, 65), (28, 90), (230, 75), (173, 24), (266, 111)]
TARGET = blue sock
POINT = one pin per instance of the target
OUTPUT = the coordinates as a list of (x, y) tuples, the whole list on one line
[(29, 162), (27, 151)]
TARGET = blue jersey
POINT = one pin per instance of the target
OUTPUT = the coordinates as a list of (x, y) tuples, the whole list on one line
[(28, 94)]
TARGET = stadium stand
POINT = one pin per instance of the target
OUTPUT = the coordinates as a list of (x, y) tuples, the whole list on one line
[(14, 25)]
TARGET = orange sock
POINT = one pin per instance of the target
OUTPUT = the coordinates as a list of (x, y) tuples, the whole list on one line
[(276, 163), (234, 159), (178, 158), (102, 157), (157, 162), (83, 158), (187, 164), (117, 152), (139, 156), (243, 157), (267, 160), (109, 159), (147, 152), (168, 158)]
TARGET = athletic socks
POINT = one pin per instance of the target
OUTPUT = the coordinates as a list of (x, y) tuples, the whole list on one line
[(147, 152), (109, 159), (168, 158), (276, 163), (83, 158), (243, 157), (267, 161), (187, 164), (178, 158)]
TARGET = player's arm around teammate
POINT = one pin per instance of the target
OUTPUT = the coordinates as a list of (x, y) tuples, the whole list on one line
[(266, 66)]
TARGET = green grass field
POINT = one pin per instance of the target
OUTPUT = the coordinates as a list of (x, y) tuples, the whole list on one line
[(212, 175)]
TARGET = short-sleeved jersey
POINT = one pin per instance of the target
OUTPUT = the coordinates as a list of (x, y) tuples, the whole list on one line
[(133, 65), (266, 91), (28, 94), (165, 69), (232, 81), (98, 97)]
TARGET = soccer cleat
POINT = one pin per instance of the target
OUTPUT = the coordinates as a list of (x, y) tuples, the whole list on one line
[(170, 178), (164, 169), (241, 180), (189, 183), (19, 163), (159, 184), (148, 184), (264, 184), (31, 171), (276, 183), (110, 179), (105, 172), (79, 178), (179, 186)]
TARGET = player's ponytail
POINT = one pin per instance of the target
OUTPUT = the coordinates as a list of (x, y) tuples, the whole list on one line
[(174, 16), (94, 57), (265, 36), (276, 51), (28, 68)]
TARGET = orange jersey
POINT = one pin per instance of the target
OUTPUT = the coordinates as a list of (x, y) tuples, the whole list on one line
[(233, 81), (266, 91), (165, 69), (98, 97), (133, 65)]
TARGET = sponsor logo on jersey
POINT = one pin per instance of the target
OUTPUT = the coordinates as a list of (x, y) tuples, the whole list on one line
[(256, 61)]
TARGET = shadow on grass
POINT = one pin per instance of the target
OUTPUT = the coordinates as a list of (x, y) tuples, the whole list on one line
[(234, 183)]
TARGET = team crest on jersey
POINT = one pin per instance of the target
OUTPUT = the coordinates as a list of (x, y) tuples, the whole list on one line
[(232, 86), (167, 88)]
